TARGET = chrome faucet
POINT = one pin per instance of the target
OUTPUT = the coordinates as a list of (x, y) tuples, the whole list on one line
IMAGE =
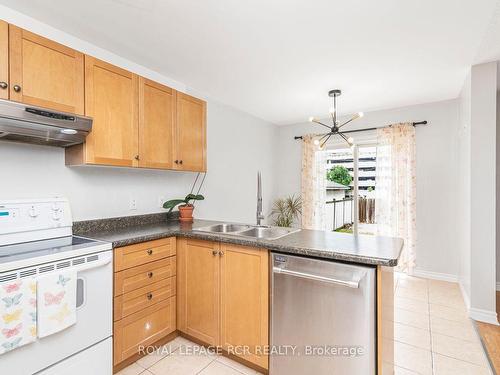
[(260, 216)]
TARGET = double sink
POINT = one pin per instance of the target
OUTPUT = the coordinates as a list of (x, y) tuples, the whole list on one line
[(249, 231)]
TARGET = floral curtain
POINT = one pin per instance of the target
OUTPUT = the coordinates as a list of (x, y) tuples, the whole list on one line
[(395, 192), (313, 185)]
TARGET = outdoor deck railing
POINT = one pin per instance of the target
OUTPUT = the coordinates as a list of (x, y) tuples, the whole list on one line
[(340, 212)]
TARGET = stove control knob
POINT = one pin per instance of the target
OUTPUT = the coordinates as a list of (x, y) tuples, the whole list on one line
[(33, 212), (56, 215), (55, 207)]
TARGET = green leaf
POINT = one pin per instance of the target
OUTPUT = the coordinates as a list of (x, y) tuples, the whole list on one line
[(172, 203), (193, 197)]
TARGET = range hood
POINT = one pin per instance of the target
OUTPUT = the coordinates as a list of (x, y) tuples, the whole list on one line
[(30, 124)]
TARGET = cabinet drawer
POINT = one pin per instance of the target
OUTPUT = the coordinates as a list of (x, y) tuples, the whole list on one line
[(142, 253), (137, 277), (143, 328), (146, 296)]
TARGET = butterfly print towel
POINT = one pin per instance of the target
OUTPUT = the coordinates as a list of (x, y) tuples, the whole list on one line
[(56, 302), (18, 308)]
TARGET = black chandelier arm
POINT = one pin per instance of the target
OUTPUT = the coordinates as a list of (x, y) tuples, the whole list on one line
[(350, 120), (345, 138), (326, 140), (320, 123)]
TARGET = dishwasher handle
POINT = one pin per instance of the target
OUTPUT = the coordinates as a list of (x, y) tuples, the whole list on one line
[(329, 280)]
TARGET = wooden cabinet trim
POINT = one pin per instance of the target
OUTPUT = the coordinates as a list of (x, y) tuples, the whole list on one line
[(4, 58)]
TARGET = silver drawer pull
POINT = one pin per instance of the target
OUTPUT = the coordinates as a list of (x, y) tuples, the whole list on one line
[(302, 275)]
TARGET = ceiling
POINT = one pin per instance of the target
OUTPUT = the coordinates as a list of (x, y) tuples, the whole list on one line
[(277, 59)]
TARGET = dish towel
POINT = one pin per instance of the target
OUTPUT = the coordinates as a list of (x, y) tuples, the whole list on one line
[(56, 302), (17, 313)]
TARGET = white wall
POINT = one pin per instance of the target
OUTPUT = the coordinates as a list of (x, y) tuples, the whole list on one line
[(436, 170), (498, 191), (483, 187), (238, 146), (477, 146), (463, 189)]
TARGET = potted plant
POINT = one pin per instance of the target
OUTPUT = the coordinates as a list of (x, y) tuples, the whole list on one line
[(286, 210), (185, 207)]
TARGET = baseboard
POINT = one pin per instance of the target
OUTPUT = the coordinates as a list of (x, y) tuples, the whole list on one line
[(484, 316), (435, 275), (465, 296)]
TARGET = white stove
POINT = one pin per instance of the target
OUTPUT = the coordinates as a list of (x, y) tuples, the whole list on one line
[(36, 238)]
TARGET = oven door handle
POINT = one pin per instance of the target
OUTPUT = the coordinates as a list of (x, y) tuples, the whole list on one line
[(91, 265), (328, 280)]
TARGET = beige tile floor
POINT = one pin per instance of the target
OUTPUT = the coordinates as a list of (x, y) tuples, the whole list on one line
[(432, 333), (432, 336), (183, 357)]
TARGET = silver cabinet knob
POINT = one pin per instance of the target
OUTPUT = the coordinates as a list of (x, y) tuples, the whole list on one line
[(17, 88), (3, 85), (215, 252), (221, 253)]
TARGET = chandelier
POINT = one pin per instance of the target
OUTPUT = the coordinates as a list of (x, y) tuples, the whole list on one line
[(334, 129)]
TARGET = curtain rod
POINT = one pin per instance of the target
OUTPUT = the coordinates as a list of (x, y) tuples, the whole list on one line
[(368, 129)]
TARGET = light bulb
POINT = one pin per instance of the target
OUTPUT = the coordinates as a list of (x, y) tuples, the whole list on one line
[(311, 119), (350, 140), (360, 114), (316, 142)]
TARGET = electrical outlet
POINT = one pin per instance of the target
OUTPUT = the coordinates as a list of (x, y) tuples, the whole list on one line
[(161, 200), (133, 204)]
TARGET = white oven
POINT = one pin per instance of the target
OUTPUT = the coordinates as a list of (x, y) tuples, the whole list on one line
[(35, 240), (84, 348)]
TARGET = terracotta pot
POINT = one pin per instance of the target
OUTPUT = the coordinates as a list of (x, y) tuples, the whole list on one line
[(186, 213)]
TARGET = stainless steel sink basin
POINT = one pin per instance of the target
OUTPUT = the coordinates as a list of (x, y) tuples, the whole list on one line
[(269, 233), (225, 228), (250, 231)]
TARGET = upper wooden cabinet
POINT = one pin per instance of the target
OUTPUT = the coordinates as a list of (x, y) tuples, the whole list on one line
[(191, 134), (43, 72), (137, 122), (156, 124), (112, 100), (4, 60)]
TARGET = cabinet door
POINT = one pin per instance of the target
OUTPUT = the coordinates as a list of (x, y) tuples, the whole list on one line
[(244, 300), (45, 73), (4, 60), (191, 134), (198, 289), (111, 98), (156, 124)]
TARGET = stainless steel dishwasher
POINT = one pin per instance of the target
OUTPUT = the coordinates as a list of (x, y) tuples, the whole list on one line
[(322, 317)]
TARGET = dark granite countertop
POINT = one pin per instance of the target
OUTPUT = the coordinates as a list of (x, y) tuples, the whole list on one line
[(362, 249)]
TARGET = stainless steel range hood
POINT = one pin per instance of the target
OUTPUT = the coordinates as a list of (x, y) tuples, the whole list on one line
[(30, 124)]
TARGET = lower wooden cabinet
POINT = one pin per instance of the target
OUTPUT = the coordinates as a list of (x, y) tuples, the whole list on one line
[(143, 328), (244, 300), (144, 295), (198, 289), (223, 296)]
